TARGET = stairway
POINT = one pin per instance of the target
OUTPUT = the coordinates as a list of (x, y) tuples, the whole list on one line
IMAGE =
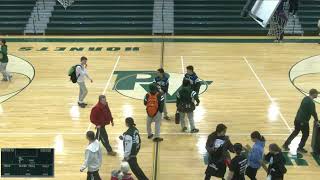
[(309, 14), (40, 17)]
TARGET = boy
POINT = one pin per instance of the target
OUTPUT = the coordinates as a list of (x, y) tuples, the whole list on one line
[(162, 81)]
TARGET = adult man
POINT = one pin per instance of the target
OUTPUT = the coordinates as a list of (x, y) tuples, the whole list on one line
[(93, 158), (101, 116), (131, 145), (301, 122), (193, 78), (154, 105), (82, 73), (162, 81), (185, 105)]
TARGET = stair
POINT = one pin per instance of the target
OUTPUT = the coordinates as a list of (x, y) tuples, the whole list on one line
[(40, 17), (163, 17)]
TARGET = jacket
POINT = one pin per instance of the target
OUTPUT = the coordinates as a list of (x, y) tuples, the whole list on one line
[(4, 52), (131, 142), (276, 166), (256, 155), (218, 147), (93, 157), (101, 115)]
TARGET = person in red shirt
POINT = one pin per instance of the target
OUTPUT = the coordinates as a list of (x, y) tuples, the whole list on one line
[(101, 116)]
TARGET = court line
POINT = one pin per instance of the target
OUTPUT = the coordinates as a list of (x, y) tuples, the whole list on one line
[(182, 64), (174, 134), (107, 85), (266, 91), (142, 56)]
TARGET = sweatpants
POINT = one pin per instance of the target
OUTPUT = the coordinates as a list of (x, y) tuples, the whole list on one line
[(190, 117), (157, 120), (3, 70), (93, 175), (102, 136), (304, 128), (83, 91), (135, 168)]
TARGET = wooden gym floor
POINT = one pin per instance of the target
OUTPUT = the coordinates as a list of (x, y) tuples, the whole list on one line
[(250, 91)]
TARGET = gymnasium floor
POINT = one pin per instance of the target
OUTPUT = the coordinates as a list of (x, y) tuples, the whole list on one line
[(250, 90)]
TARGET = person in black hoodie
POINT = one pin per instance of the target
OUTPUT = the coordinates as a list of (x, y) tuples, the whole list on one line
[(238, 164), (276, 169), (218, 145)]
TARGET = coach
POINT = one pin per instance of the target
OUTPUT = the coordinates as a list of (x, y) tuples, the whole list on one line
[(101, 116)]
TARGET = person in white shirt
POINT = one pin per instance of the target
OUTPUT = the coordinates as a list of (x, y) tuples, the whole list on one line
[(93, 157), (82, 73)]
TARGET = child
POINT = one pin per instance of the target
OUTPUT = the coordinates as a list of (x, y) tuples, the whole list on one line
[(255, 156), (276, 169), (123, 173), (238, 164)]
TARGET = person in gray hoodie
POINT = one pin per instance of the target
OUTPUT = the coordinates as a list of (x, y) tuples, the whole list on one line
[(255, 156), (93, 157)]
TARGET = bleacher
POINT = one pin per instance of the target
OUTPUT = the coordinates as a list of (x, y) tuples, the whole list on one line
[(213, 17), (309, 14), (103, 17), (14, 15)]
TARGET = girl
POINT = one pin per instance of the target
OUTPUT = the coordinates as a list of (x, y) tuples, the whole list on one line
[(255, 156), (276, 169)]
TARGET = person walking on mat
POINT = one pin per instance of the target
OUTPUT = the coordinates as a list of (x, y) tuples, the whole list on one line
[(93, 157), (101, 116), (154, 106), (301, 122), (131, 145), (185, 105)]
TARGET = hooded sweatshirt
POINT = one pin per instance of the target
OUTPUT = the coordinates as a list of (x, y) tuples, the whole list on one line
[(93, 157), (256, 155)]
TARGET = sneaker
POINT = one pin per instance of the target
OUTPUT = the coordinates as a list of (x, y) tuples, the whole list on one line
[(302, 150), (82, 105), (166, 118), (150, 136), (157, 139), (112, 153), (85, 104), (4, 80), (184, 129), (194, 130), (285, 148)]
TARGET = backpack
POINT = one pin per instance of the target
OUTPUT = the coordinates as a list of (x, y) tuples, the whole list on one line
[(152, 105), (73, 73)]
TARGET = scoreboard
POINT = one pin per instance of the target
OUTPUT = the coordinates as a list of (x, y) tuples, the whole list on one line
[(27, 162)]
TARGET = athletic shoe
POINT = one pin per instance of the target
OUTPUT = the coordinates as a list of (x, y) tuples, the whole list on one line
[(157, 139), (184, 129), (150, 136), (194, 130), (4, 80), (112, 153), (82, 105), (285, 148), (302, 150), (166, 118)]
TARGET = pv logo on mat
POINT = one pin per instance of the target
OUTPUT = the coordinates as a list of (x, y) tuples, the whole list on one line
[(135, 84), (304, 75), (23, 73)]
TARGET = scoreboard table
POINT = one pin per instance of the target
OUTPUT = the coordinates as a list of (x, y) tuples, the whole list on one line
[(27, 162)]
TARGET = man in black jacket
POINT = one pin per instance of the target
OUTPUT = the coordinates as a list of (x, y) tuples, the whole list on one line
[(218, 145), (301, 122)]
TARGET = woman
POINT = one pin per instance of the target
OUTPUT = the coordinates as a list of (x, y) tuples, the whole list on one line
[(131, 143), (238, 164), (4, 61), (276, 169), (255, 156)]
